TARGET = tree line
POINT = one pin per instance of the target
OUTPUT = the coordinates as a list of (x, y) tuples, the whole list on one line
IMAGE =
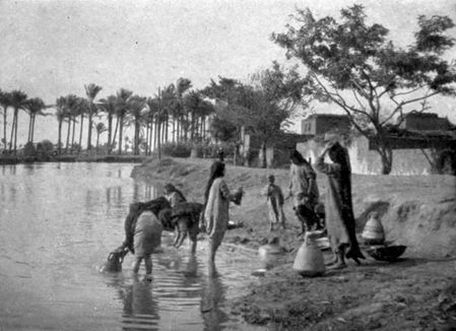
[(348, 63)]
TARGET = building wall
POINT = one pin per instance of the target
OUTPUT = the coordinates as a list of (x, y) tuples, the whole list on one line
[(331, 124), (424, 122), (368, 162)]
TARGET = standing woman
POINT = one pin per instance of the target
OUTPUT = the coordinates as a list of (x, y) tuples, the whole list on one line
[(340, 219), (216, 213), (304, 190)]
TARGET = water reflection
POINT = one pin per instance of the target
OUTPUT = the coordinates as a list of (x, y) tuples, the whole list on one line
[(58, 222), (213, 295), (140, 309)]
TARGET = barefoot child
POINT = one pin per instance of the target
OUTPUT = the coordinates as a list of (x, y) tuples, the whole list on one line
[(275, 200)]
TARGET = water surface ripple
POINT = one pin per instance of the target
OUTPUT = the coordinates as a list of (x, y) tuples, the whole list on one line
[(58, 221)]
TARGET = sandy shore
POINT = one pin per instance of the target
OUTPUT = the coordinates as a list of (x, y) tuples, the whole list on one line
[(417, 292)]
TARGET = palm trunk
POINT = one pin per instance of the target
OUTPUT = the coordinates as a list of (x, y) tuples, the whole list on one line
[(68, 135), (4, 127), (30, 128), (80, 132), (72, 134), (15, 129), (12, 132), (158, 140), (60, 137), (89, 135), (33, 128), (147, 138), (120, 135), (115, 135), (109, 132), (136, 142)]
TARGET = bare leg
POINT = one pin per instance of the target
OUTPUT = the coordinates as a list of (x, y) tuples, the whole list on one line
[(282, 218), (212, 272), (340, 264), (176, 235), (183, 229), (148, 263), (137, 265), (193, 234)]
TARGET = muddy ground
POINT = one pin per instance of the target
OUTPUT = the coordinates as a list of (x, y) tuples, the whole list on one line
[(417, 292)]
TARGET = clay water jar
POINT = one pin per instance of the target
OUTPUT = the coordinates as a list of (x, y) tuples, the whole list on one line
[(373, 232), (309, 261), (270, 254)]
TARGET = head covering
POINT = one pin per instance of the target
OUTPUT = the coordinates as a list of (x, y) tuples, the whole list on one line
[(169, 187), (271, 177), (220, 154), (297, 158), (338, 154)]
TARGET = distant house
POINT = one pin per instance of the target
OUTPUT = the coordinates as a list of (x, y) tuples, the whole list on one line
[(415, 121), (277, 153), (318, 124), (423, 144)]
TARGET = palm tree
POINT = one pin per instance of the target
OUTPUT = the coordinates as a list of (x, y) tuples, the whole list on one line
[(60, 105), (35, 106), (83, 109), (136, 108), (108, 106), (91, 91), (100, 128), (18, 101), (4, 103), (151, 119), (71, 111), (182, 85), (122, 107)]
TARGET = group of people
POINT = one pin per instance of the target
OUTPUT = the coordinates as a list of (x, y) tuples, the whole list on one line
[(145, 224), (303, 189), (339, 220)]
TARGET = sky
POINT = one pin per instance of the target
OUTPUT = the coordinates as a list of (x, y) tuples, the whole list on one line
[(53, 48)]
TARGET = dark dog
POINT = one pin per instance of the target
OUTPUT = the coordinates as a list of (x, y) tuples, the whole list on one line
[(183, 219)]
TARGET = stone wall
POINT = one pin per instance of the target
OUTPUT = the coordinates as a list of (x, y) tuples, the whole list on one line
[(368, 162)]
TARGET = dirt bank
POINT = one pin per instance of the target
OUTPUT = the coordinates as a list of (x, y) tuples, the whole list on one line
[(418, 211)]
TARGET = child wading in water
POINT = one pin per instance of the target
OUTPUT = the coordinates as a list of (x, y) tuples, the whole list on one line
[(275, 200)]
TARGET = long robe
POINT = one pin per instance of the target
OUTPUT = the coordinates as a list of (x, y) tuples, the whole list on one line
[(300, 179), (340, 220), (147, 235), (216, 212)]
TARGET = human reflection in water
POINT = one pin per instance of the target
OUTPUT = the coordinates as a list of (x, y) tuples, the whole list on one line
[(212, 299), (140, 309)]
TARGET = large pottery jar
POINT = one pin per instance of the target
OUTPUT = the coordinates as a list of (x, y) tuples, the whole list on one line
[(309, 260), (373, 233), (270, 254)]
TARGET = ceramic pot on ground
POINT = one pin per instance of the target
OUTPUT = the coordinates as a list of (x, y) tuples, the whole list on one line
[(270, 254), (373, 232), (309, 261)]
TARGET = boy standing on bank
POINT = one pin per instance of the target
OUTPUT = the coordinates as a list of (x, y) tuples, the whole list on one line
[(275, 200)]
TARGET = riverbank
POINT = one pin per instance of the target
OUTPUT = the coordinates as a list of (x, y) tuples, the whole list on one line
[(12, 159), (418, 211)]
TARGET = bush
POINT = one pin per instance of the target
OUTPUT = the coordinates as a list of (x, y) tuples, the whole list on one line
[(176, 149), (29, 150), (44, 149)]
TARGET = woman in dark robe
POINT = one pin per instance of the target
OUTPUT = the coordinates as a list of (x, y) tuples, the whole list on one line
[(340, 220)]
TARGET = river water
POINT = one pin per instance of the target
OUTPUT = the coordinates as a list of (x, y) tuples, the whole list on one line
[(59, 221)]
